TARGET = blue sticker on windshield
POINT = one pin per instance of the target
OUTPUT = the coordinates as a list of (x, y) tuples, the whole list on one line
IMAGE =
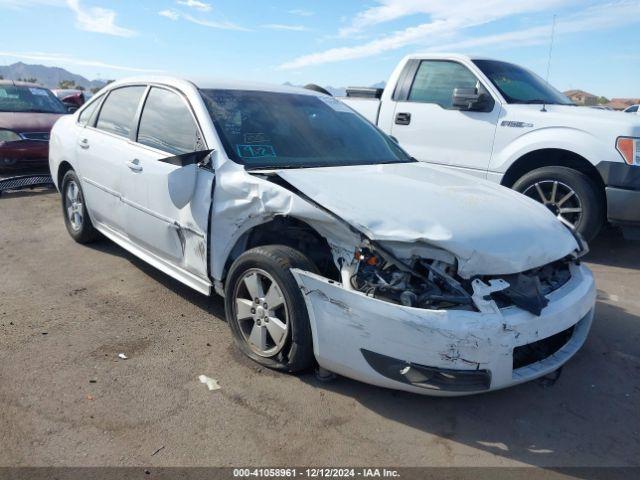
[(255, 151)]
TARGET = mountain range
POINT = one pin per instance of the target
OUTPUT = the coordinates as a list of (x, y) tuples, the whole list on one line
[(49, 77)]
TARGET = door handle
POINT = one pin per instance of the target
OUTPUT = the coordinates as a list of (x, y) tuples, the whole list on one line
[(134, 165), (403, 118), (84, 143)]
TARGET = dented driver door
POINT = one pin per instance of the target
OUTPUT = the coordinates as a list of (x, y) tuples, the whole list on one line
[(167, 203)]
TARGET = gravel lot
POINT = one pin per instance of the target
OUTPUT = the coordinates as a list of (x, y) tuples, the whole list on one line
[(66, 399)]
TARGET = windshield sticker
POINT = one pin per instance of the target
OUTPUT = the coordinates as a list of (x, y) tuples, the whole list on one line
[(255, 151), (335, 104), (39, 91), (256, 138)]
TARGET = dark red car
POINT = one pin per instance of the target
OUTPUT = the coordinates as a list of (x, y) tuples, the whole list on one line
[(27, 113)]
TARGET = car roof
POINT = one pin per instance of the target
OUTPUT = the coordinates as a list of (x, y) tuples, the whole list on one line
[(16, 83), (217, 84), (446, 56)]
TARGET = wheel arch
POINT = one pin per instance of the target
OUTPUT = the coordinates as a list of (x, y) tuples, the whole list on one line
[(63, 168), (551, 157), (289, 231)]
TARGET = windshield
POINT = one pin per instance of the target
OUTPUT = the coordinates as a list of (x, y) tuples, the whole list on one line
[(518, 85), (29, 99), (285, 130)]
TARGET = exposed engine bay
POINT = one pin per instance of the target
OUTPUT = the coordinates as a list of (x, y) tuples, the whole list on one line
[(434, 284)]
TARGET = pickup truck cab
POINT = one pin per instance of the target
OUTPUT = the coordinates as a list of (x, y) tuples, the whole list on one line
[(499, 121)]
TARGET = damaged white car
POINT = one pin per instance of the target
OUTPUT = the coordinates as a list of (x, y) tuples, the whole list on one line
[(329, 243)]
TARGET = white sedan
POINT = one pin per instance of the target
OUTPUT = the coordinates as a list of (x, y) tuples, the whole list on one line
[(331, 246)]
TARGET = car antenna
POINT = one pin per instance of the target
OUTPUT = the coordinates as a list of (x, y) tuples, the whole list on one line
[(553, 32)]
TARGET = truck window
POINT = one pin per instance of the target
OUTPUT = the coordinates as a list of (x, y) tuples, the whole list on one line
[(436, 79), (518, 85)]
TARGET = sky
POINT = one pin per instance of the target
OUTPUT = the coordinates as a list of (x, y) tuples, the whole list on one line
[(596, 45)]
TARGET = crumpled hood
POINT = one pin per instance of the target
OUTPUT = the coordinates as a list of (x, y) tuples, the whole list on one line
[(490, 229)]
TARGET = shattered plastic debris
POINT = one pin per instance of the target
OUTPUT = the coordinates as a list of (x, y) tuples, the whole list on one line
[(211, 383), (122, 356)]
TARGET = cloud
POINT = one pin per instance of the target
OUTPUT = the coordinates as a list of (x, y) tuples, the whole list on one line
[(205, 7), (170, 14), (301, 13), (600, 17), (222, 25), (64, 59), (279, 26), (448, 20), (98, 20)]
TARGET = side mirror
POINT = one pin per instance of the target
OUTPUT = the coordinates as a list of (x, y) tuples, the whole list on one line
[(182, 181), (71, 108), (472, 99), (465, 98)]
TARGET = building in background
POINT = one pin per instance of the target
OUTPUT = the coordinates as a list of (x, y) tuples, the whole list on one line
[(580, 97)]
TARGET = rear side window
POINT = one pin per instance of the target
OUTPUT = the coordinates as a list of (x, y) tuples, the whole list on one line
[(632, 109), (167, 124), (119, 110), (436, 80), (85, 116)]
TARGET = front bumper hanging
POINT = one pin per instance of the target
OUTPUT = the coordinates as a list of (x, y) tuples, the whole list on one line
[(444, 352)]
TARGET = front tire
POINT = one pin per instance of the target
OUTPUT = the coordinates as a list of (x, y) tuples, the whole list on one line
[(569, 194), (265, 308), (74, 209)]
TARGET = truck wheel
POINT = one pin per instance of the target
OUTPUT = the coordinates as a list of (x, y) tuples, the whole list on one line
[(569, 194), (74, 210), (265, 308)]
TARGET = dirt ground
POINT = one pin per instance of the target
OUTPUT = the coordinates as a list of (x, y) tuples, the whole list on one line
[(66, 399)]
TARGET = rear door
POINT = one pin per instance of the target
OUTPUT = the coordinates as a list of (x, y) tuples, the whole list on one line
[(167, 206), (103, 148), (428, 126)]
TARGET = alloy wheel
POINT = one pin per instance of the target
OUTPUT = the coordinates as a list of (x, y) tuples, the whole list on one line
[(559, 198), (74, 205), (261, 312)]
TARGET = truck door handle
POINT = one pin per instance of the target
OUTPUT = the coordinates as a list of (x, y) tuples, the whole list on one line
[(403, 118), (134, 165), (84, 143)]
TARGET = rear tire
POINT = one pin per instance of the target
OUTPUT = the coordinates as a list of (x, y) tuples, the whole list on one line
[(265, 308), (74, 210), (569, 194)]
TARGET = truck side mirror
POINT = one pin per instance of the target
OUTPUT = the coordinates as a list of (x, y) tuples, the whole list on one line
[(472, 99)]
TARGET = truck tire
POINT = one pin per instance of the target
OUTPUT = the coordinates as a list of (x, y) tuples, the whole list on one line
[(569, 194), (74, 210), (265, 308)]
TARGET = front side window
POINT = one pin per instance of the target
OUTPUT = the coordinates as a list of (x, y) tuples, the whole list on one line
[(22, 99), (632, 109), (167, 124), (287, 130), (119, 110), (518, 85), (436, 80)]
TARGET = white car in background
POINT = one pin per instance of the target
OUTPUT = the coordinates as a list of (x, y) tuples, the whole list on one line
[(329, 243), (499, 121)]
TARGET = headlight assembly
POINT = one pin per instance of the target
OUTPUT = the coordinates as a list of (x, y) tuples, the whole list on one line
[(9, 136)]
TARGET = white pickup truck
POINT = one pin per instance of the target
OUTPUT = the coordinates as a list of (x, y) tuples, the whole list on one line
[(501, 122)]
